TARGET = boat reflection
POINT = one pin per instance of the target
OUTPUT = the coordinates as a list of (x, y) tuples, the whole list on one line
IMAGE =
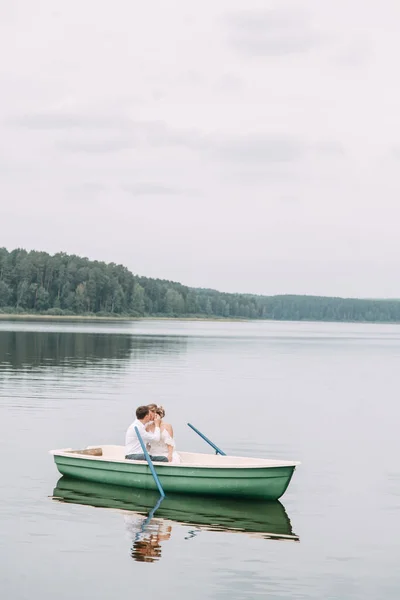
[(147, 532)]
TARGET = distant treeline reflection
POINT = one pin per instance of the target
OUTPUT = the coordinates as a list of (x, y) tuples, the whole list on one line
[(30, 349), (35, 282)]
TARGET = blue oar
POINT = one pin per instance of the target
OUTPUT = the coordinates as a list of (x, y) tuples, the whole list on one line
[(217, 450), (149, 462)]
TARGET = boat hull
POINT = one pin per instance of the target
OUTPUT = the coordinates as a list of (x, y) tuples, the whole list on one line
[(267, 483)]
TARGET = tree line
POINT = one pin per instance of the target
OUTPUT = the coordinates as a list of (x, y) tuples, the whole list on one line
[(63, 284)]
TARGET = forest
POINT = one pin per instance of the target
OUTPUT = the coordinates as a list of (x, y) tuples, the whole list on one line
[(65, 285)]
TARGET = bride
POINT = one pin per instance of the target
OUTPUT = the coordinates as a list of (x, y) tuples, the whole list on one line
[(166, 445)]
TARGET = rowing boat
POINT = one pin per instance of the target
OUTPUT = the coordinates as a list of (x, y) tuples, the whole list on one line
[(202, 474)]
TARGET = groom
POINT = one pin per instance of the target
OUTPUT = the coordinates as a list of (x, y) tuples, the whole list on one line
[(133, 449)]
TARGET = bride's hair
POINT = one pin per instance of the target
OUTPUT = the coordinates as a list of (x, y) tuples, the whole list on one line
[(152, 406), (160, 411)]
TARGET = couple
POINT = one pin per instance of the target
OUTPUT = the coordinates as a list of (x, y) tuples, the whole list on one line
[(156, 435)]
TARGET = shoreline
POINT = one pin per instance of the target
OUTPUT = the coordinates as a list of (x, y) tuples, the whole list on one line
[(37, 317), (205, 319)]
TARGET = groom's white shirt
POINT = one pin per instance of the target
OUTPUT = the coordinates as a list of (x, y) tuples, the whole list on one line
[(132, 444)]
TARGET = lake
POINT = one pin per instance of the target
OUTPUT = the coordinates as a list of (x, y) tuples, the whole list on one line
[(321, 393)]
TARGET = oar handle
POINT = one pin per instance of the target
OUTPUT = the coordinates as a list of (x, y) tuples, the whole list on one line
[(205, 438)]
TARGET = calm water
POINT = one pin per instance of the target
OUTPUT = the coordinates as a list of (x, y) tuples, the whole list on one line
[(324, 394)]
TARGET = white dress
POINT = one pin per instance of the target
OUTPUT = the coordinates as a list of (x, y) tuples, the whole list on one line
[(161, 448)]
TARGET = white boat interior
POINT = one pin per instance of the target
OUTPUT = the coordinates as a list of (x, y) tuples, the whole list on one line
[(189, 459)]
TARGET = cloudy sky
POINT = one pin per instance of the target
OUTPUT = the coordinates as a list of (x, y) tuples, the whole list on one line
[(241, 145)]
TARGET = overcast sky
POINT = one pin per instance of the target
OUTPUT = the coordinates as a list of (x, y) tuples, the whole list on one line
[(241, 145)]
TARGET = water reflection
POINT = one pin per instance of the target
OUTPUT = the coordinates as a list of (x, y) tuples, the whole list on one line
[(148, 520), (38, 349), (146, 534)]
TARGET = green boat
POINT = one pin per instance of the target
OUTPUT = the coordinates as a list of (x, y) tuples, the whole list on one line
[(202, 474), (253, 517)]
